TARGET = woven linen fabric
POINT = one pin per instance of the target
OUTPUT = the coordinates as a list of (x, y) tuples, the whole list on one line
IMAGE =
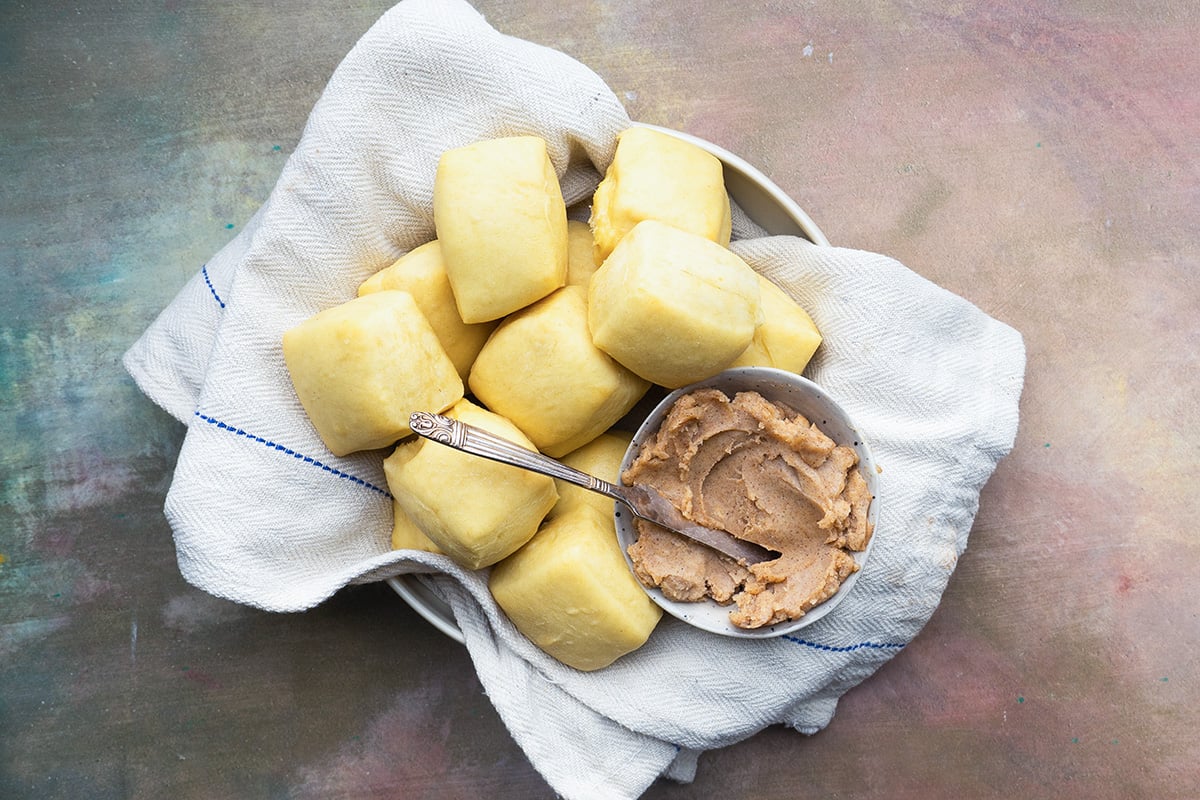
[(264, 515)]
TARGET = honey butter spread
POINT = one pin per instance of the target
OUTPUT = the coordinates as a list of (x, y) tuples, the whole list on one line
[(766, 474)]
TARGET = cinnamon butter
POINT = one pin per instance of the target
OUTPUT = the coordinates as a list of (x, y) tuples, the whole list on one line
[(766, 474)]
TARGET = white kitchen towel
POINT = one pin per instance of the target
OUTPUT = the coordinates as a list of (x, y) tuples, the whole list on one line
[(264, 515)]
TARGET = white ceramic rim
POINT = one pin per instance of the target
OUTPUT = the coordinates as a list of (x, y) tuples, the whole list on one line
[(764, 203), (756, 194), (818, 407), (432, 608)]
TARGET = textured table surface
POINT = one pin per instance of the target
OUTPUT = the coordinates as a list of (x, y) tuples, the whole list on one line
[(1041, 163)]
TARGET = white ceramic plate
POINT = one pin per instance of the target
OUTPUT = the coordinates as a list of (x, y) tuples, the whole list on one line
[(764, 203)]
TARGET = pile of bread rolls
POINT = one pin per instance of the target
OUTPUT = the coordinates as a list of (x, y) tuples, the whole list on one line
[(546, 332)]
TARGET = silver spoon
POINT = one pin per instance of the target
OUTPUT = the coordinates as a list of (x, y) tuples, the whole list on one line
[(642, 500)]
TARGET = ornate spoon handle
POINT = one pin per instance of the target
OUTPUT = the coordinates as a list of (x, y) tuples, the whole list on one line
[(643, 501), (478, 442)]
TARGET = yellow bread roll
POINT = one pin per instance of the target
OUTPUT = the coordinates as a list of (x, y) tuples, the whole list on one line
[(406, 535), (500, 217), (672, 306), (541, 370), (570, 592), (787, 337), (600, 457), (360, 368), (422, 273), (475, 510), (658, 176), (581, 254)]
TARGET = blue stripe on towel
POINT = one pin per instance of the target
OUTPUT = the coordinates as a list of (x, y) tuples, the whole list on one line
[(211, 288), (290, 452), (845, 649)]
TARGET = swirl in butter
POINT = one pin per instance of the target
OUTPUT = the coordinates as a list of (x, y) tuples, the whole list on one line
[(766, 474)]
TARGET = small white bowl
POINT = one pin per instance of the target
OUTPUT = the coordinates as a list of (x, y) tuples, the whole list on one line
[(818, 407), (764, 203)]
